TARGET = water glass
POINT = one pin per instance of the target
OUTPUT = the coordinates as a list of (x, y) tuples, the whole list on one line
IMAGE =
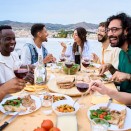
[(98, 124), (47, 100)]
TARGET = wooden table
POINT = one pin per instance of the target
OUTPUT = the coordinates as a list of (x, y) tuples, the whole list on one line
[(34, 120)]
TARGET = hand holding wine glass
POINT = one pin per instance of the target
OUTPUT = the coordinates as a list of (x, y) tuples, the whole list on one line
[(24, 73)]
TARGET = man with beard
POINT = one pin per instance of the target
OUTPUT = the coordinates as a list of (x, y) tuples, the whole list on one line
[(31, 51), (9, 59), (119, 33), (108, 53)]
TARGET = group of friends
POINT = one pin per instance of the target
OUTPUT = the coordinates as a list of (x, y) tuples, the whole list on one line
[(114, 34)]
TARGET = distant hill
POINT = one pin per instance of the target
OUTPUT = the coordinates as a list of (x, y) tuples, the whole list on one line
[(50, 26)]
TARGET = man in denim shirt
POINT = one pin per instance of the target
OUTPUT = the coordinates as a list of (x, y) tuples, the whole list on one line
[(31, 50)]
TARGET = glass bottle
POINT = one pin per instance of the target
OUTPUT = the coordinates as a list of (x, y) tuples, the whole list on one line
[(77, 57), (40, 72)]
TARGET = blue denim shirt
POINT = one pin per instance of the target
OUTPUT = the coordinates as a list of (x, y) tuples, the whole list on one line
[(34, 53)]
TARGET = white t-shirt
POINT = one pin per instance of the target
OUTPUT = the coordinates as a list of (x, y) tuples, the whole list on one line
[(7, 66), (40, 52)]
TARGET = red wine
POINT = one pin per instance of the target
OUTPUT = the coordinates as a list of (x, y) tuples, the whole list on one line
[(21, 73), (62, 59), (68, 65), (85, 64), (82, 87)]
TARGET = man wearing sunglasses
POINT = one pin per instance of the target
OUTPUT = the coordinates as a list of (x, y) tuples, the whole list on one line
[(119, 33)]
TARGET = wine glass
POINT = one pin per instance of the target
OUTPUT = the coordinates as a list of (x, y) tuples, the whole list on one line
[(85, 62), (67, 57), (62, 58), (21, 72), (68, 64), (82, 87)]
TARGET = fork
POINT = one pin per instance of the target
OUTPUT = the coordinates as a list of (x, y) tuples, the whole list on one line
[(109, 102)]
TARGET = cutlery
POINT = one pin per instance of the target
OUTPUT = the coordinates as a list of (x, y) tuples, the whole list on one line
[(109, 102), (8, 121), (4, 115)]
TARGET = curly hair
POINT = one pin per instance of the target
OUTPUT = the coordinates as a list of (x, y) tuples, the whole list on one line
[(125, 23), (82, 35)]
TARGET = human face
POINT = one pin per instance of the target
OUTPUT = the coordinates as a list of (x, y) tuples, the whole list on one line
[(101, 34), (7, 42), (76, 38), (44, 35), (116, 33)]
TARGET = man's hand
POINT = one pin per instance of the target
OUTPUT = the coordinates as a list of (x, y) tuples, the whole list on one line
[(103, 68), (13, 85), (120, 76), (49, 58), (95, 57)]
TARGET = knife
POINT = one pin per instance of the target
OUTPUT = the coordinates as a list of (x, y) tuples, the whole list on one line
[(109, 102), (9, 121), (4, 115)]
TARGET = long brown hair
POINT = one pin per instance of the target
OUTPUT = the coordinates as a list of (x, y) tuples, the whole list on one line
[(82, 35)]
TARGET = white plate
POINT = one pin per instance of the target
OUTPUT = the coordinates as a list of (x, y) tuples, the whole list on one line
[(37, 102), (58, 94), (113, 106)]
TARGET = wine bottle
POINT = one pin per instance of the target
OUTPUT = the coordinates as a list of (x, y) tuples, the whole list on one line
[(40, 72), (78, 57)]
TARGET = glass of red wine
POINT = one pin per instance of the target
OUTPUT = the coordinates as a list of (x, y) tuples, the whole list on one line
[(62, 58), (85, 62), (21, 72), (82, 87), (68, 64)]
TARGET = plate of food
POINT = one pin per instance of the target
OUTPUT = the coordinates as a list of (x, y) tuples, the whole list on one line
[(118, 116), (24, 104), (57, 97)]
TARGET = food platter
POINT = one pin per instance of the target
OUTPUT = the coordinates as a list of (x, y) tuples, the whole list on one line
[(36, 100), (117, 107)]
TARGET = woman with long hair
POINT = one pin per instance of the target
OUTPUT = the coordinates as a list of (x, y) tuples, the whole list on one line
[(80, 44)]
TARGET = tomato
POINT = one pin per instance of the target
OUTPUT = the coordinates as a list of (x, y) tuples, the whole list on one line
[(101, 116), (39, 129), (47, 124), (54, 129), (104, 113)]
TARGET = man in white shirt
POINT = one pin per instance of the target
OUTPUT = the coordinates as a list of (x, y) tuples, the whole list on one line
[(31, 50), (9, 60), (108, 53)]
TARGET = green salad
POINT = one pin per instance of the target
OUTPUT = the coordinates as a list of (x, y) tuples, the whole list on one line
[(73, 69), (100, 113), (13, 102)]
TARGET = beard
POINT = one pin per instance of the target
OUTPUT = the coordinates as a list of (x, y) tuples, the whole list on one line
[(120, 40), (103, 39)]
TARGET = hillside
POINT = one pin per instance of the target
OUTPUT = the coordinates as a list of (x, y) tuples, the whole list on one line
[(50, 26)]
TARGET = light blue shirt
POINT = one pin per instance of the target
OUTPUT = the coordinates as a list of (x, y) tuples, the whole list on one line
[(85, 53)]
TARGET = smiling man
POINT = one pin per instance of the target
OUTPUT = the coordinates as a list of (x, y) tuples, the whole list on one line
[(108, 53), (119, 33), (8, 57), (32, 50)]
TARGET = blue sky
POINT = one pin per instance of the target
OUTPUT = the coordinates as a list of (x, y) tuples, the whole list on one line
[(62, 11)]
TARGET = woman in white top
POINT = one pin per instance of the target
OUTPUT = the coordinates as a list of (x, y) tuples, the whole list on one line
[(80, 40)]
